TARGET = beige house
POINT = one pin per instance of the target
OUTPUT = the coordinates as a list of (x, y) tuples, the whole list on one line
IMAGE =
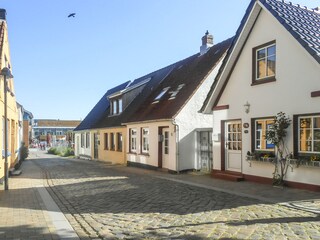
[(272, 66), (12, 111)]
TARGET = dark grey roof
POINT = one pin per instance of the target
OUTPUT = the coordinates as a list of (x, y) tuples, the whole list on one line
[(301, 22), (156, 78), (99, 109), (189, 74)]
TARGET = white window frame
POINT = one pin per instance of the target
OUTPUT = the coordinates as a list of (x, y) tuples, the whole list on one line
[(262, 134), (82, 140), (145, 132), (116, 106), (312, 128), (88, 140), (266, 61), (133, 139)]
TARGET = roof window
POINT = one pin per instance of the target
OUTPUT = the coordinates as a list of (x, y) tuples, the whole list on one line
[(161, 94), (173, 94)]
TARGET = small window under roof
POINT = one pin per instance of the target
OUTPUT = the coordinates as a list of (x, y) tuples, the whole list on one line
[(160, 95), (173, 94)]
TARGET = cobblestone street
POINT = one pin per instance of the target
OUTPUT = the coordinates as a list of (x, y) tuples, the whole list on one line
[(102, 201)]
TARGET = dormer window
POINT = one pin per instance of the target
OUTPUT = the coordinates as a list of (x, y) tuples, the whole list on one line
[(116, 106), (264, 63), (161, 94)]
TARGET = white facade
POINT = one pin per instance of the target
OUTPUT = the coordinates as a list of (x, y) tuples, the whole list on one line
[(190, 122), (297, 75), (84, 147)]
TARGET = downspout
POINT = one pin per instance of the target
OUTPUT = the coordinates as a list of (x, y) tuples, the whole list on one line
[(176, 129)]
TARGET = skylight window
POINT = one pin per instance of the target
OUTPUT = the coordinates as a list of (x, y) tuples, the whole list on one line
[(173, 94), (163, 92)]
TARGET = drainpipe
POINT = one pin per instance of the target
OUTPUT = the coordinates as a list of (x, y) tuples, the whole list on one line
[(176, 129)]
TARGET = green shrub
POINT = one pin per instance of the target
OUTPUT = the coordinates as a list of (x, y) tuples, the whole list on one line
[(68, 152), (52, 150), (61, 151)]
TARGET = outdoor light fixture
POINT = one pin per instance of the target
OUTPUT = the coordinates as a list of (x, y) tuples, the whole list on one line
[(6, 73), (247, 107)]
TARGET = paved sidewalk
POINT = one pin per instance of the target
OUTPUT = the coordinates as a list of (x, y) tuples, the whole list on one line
[(27, 210)]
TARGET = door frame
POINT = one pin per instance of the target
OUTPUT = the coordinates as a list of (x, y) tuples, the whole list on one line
[(96, 145), (210, 148), (223, 143), (160, 145)]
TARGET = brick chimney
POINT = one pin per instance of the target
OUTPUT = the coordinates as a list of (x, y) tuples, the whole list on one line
[(3, 14), (207, 42)]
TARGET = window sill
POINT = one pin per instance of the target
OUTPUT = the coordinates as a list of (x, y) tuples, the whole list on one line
[(145, 154), (263, 81), (251, 159)]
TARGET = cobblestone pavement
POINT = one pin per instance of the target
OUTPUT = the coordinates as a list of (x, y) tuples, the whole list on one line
[(104, 201)]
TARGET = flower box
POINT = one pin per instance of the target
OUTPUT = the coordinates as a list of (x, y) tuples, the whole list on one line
[(304, 163), (261, 159)]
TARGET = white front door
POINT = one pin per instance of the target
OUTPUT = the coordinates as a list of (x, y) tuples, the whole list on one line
[(165, 148), (233, 144)]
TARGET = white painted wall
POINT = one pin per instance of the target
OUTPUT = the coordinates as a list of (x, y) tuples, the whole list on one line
[(189, 120), (297, 74), (83, 150)]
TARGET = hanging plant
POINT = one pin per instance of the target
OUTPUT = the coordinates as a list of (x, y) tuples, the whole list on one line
[(276, 134)]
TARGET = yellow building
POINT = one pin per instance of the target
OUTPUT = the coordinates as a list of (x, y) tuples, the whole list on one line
[(12, 112)]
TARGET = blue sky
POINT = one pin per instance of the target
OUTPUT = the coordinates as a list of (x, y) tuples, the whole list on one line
[(63, 66)]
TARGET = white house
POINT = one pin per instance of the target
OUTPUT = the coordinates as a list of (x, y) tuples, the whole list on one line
[(167, 131), (272, 66)]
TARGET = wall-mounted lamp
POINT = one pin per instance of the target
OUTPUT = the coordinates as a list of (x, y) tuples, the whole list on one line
[(247, 107)]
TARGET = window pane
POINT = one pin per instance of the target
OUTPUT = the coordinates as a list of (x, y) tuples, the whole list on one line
[(305, 146), (272, 50), (120, 105), (261, 54), (316, 122), (261, 69), (305, 134), (316, 146), (305, 122), (316, 134), (271, 66)]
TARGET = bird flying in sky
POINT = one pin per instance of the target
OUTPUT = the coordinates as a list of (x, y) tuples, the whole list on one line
[(72, 15)]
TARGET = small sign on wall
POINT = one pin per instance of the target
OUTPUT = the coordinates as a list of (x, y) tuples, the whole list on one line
[(216, 137)]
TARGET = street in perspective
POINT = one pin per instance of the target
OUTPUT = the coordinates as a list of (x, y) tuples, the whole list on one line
[(108, 201)]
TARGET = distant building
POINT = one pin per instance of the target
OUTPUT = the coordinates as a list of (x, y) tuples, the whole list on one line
[(53, 131), (28, 134)]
